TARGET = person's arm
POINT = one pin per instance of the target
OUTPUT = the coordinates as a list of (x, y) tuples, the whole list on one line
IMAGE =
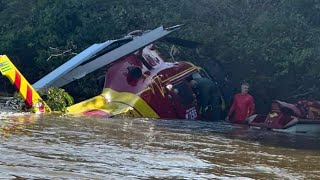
[(233, 107), (252, 107)]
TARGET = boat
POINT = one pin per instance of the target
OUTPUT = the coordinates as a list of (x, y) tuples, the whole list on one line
[(139, 82), (300, 117)]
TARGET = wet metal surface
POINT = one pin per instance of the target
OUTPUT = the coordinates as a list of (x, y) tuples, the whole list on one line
[(55, 147)]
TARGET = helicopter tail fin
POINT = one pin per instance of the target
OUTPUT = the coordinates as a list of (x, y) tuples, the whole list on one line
[(30, 96)]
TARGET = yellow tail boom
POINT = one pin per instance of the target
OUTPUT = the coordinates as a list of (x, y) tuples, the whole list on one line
[(29, 95)]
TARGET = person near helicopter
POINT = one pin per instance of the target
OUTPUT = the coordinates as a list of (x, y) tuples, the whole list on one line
[(208, 97)]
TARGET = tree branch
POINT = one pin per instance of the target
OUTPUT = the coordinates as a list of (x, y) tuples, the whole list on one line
[(60, 53)]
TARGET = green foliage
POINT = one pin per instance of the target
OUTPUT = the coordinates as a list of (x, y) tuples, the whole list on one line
[(58, 99), (272, 44)]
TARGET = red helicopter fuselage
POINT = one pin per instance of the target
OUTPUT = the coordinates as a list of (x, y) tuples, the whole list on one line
[(138, 83), (162, 85)]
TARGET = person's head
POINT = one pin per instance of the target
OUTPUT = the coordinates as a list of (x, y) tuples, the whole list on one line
[(189, 78), (245, 88), (172, 89), (193, 83)]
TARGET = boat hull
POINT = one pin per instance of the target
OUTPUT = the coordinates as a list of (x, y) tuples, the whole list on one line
[(292, 125), (303, 126)]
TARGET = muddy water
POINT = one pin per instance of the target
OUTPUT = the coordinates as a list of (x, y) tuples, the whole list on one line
[(55, 147)]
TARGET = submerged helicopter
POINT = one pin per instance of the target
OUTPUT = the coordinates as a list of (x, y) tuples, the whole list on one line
[(138, 83)]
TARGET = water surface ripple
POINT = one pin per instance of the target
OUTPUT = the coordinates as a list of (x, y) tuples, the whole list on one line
[(54, 147)]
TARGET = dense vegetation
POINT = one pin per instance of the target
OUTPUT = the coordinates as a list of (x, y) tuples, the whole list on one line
[(273, 44)]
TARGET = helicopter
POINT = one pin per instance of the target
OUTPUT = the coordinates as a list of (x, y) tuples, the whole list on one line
[(139, 82)]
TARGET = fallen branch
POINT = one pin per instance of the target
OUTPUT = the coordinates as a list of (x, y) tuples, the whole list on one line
[(300, 95), (61, 53)]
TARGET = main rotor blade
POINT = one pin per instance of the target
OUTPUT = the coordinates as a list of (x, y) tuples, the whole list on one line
[(96, 56)]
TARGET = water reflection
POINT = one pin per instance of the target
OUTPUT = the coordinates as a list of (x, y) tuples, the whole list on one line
[(244, 132), (51, 147), (15, 124)]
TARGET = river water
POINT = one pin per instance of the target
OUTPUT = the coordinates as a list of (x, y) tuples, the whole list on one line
[(59, 147)]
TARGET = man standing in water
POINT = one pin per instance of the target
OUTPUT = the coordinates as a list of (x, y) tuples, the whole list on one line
[(242, 106), (208, 97)]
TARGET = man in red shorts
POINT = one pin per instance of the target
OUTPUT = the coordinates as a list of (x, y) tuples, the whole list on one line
[(242, 106)]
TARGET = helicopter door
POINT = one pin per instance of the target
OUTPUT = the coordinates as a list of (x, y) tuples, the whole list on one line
[(184, 101)]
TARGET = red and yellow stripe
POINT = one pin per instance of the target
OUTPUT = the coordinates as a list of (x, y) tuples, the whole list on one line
[(31, 97)]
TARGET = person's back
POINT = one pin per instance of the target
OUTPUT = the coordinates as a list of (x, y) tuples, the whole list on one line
[(207, 95), (204, 87), (242, 106)]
